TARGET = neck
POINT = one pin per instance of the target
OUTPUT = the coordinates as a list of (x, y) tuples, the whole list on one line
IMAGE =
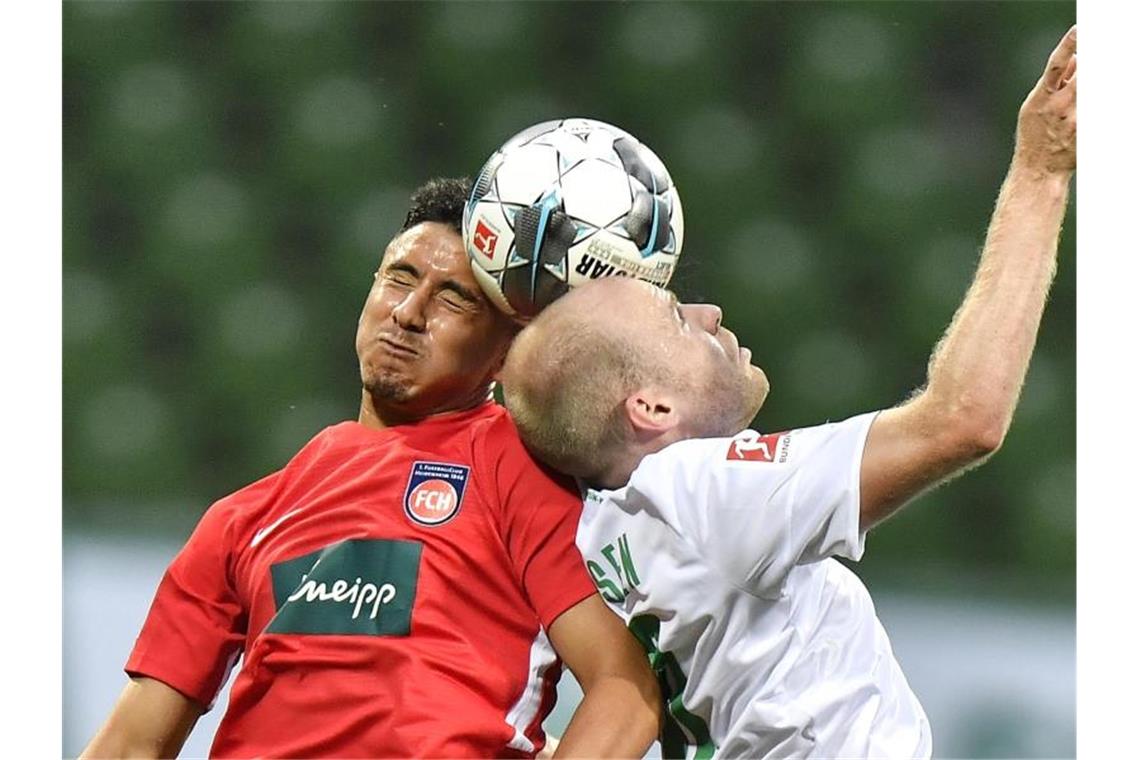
[(617, 473), (380, 413), (626, 457)]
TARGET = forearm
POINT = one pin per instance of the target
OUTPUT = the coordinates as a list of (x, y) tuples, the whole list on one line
[(123, 741), (616, 718), (150, 720), (621, 711), (113, 741), (976, 372)]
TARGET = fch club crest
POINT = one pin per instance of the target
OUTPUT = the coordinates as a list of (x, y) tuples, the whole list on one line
[(435, 492)]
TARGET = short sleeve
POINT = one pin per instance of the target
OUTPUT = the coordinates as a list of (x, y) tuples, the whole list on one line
[(757, 505), (195, 629), (539, 513)]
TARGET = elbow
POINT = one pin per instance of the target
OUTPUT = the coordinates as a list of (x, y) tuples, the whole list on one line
[(988, 439), (976, 434), (966, 429)]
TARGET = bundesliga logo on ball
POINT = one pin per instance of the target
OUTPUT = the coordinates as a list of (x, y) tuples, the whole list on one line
[(568, 201)]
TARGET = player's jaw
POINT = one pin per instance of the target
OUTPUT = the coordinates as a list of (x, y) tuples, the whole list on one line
[(756, 393), (726, 400), (731, 388), (412, 376), (753, 382), (752, 389), (387, 368)]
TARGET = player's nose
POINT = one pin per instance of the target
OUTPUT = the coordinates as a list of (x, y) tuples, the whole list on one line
[(706, 315), (408, 312)]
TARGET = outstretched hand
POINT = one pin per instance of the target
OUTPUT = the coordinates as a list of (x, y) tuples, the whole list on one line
[(1047, 122)]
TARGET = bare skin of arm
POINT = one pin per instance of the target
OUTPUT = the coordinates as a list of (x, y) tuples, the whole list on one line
[(620, 712), (150, 720), (977, 370)]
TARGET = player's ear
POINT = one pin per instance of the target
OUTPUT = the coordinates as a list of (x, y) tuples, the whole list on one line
[(651, 412)]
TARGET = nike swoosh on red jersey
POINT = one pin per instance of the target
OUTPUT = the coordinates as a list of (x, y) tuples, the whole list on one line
[(261, 534)]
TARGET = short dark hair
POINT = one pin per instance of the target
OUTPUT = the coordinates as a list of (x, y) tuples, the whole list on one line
[(440, 199)]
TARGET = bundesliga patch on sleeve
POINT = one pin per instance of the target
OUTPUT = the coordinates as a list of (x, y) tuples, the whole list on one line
[(435, 492), (750, 446)]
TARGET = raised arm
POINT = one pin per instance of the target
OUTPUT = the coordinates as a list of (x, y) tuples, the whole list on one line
[(977, 370), (620, 712), (150, 720)]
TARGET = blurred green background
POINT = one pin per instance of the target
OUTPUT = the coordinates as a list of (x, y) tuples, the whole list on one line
[(233, 170)]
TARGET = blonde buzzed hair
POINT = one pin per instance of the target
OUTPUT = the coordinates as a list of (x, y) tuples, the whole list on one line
[(565, 382)]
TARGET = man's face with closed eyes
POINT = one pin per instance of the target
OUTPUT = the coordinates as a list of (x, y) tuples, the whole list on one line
[(428, 340)]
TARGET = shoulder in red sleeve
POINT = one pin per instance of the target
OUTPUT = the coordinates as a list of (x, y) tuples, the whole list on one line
[(196, 625), (538, 513)]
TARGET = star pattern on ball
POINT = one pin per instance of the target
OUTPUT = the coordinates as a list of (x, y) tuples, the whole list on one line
[(567, 201)]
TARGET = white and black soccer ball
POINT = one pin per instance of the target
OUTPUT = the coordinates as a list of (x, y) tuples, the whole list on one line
[(565, 202)]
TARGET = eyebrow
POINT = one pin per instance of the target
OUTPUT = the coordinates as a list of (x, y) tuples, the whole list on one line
[(462, 291), (454, 286)]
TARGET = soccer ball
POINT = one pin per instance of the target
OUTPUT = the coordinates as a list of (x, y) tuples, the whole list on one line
[(565, 202)]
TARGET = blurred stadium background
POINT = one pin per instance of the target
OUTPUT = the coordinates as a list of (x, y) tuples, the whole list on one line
[(232, 172)]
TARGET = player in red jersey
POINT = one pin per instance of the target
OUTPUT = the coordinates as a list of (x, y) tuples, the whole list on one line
[(408, 584)]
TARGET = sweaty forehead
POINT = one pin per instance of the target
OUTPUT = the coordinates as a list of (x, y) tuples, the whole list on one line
[(430, 245)]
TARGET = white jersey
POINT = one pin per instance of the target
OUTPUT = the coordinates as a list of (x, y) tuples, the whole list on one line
[(718, 554)]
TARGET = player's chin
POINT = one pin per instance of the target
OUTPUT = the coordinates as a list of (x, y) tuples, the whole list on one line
[(388, 386), (757, 392)]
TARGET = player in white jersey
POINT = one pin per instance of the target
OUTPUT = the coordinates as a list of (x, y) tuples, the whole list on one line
[(718, 549), (718, 554)]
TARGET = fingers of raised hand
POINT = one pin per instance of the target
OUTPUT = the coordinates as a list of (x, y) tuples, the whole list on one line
[(1069, 73), (1068, 96), (1046, 129), (1062, 63)]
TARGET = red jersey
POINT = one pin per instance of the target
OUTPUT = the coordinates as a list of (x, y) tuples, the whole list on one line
[(389, 591)]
